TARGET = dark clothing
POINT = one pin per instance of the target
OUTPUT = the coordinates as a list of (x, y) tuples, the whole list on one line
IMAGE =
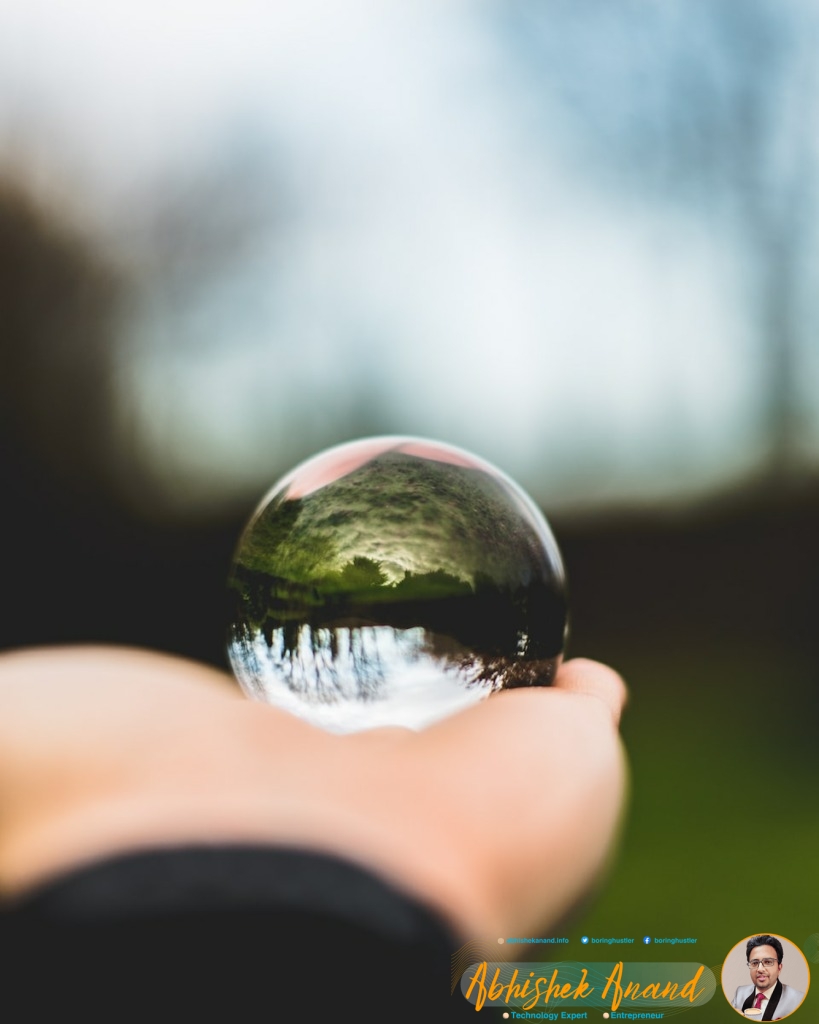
[(240, 933), (773, 1001)]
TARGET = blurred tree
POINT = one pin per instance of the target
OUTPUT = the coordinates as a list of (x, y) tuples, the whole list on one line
[(77, 562), (57, 308), (705, 106)]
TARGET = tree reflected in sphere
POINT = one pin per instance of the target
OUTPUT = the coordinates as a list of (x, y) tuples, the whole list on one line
[(393, 581)]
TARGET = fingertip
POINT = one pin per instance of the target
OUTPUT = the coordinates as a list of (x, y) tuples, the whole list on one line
[(594, 679)]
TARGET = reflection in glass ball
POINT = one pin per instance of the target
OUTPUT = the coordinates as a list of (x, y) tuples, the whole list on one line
[(393, 581)]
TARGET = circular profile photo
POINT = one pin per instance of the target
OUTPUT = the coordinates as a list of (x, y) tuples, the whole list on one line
[(765, 977)]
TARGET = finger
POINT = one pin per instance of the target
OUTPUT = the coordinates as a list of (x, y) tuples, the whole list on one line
[(581, 675), (521, 719), (535, 778)]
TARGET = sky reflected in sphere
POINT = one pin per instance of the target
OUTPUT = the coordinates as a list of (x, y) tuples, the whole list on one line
[(393, 581)]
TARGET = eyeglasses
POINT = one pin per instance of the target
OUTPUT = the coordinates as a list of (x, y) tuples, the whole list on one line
[(764, 963)]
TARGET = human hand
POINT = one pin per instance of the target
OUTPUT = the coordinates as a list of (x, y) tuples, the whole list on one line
[(499, 817)]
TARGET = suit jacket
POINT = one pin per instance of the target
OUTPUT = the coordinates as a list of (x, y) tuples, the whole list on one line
[(787, 1001)]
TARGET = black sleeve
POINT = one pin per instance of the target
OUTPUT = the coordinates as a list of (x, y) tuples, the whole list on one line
[(233, 933)]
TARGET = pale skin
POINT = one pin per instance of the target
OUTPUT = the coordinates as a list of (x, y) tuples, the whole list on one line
[(500, 817)]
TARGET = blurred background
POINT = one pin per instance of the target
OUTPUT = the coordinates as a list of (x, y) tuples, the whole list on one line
[(579, 239)]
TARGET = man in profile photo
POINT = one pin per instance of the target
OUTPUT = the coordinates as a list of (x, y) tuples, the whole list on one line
[(766, 993)]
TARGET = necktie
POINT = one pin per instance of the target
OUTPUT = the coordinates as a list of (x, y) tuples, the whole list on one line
[(759, 998)]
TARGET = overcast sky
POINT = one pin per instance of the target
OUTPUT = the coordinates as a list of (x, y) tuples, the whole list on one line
[(421, 218)]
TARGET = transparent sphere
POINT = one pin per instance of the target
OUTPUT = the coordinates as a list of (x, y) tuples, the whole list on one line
[(393, 581)]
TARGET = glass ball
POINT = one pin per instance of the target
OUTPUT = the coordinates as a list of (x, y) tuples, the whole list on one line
[(394, 581)]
